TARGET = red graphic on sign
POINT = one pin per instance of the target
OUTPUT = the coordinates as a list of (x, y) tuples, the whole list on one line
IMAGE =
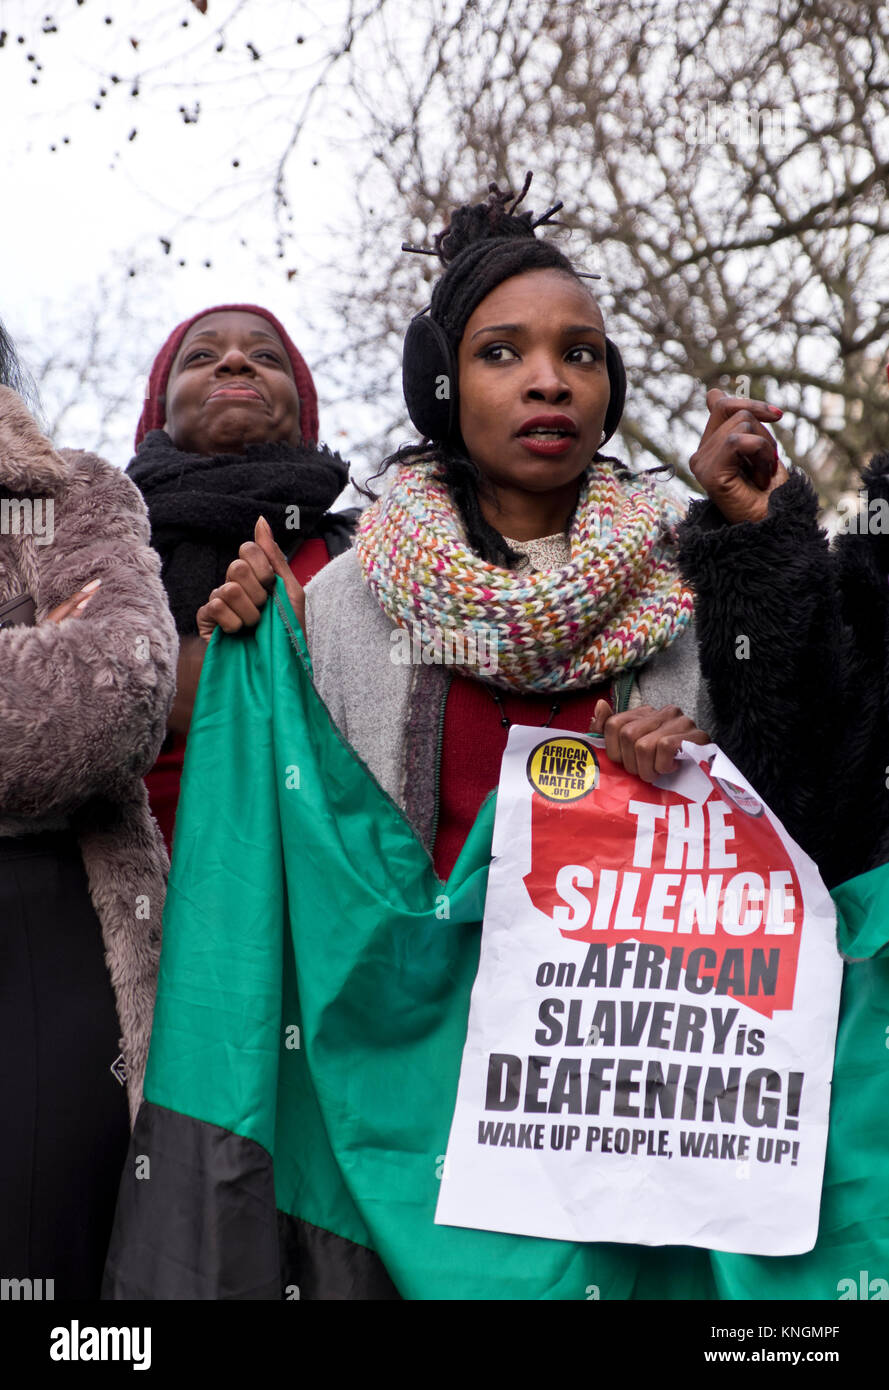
[(707, 889)]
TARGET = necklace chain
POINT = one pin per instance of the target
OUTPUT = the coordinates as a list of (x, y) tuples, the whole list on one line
[(507, 722)]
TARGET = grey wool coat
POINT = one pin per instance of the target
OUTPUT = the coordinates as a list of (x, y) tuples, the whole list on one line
[(84, 702)]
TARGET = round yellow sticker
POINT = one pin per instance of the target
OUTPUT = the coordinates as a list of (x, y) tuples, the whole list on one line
[(563, 769)]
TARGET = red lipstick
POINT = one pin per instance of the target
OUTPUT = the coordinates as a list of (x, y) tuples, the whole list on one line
[(548, 435)]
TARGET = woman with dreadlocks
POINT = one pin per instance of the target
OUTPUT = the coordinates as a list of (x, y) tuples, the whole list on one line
[(508, 508)]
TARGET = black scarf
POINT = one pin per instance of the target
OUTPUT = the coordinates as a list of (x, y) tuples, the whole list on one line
[(203, 507)]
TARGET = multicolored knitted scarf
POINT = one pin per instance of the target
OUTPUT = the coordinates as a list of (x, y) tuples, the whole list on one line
[(617, 601)]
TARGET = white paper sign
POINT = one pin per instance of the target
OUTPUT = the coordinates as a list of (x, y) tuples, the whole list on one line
[(651, 1032)]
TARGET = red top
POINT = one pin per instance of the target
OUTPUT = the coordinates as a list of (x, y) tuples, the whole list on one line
[(311, 557), (164, 778), (162, 784), (473, 745)]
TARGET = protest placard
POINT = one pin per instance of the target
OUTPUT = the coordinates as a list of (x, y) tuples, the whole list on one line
[(651, 1033)]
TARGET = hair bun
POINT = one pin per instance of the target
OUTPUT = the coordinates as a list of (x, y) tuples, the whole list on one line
[(495, 217)]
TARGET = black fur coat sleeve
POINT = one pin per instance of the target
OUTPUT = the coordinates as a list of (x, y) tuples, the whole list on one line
[(783, 664)]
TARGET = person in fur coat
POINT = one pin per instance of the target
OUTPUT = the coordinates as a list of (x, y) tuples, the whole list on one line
[(792, 640), (87, 668)]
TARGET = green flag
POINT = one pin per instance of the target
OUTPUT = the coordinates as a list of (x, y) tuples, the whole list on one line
[(851, 1256), (311, 1015)]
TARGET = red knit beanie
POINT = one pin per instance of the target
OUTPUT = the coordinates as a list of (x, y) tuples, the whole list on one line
[(153, 412)]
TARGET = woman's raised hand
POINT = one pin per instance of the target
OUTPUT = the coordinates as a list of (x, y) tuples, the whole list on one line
[(737, 460), (248, 580), (644, 740)]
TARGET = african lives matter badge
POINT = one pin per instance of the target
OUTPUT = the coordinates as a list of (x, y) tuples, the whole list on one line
[(563, 769)]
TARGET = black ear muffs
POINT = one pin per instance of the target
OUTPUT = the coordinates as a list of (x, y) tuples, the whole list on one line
[(618, 378), (429, 381)]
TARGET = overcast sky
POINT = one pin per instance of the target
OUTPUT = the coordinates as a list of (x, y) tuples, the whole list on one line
[(85, 199)]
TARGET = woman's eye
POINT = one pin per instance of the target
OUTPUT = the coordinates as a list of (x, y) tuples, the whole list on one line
[(498, 352), (194, 356), (272, 357), (585, 354)]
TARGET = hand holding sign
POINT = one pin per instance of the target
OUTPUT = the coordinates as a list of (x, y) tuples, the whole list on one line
[(644, 740), (656, 1003)]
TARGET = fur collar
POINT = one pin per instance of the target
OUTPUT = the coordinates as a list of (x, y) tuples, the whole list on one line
[(28, 461)]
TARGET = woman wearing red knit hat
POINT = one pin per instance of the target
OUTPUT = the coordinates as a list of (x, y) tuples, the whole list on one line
[(228, 433)]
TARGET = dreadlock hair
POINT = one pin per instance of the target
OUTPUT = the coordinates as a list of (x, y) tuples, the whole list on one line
[(482, 245)]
